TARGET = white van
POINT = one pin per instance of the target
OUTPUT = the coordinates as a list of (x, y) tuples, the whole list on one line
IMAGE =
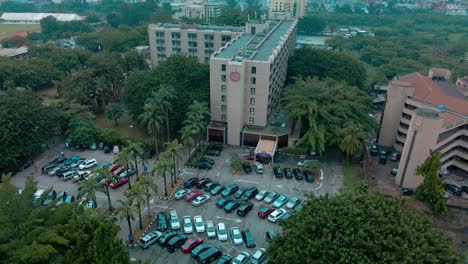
[(69, 175), (89, 163), (258, 168)]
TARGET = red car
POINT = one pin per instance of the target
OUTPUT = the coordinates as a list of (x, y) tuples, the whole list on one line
[(114, 167), (265, 211), (192, 195), (191, 244), (118, 171), (119, 183)]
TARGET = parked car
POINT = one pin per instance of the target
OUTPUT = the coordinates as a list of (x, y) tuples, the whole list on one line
[(162, 221), (166, 237), (248, 157), (394, 171), (261, 195), (202, 182), (149, 239), (113, 167), (453, 189), (180, 194), (309, 176), (212, 152), (217, 190), (25, 165), (280, 201), (45, 169), (278, 172), (119, 183), (275, 215), (203, 165), (293, 202), (76, 165), (175, 243), (210, 229), (407, 191), (287, 215), (188, 227), (374, 150), (201, 200), (100, 145), (238, 194), (259, 256), (69, 199), (271, 197), (205, 159), (209, 186), (49, 198), (216, 146), (231, 206), (174, 219), (244, 208), (383, 157), (395, 156), (107, 149), (209, 255), (265, 211), (199, 249), (127, 173), (248, 238), (60, 198), (302, 163), (230, 190), (118, 171), (53, 171), (71, 160), (199, 224), (246, 167), (224, 259), (91, 204), (298, 174), (58, 160), (222, 232), (190, 182), (190, 244), (258, 167), (242, 258), (249, 193), (38, 197), (89, 163), (115, 149), (192, 195), (236, 236), (222, 202), (288, 174), (68, 175)]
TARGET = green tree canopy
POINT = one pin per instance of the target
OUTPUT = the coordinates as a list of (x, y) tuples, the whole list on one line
[(310, 25), (432, 189), (360, 228)]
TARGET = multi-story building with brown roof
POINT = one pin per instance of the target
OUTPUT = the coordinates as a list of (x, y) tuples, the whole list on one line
[(424, 113)]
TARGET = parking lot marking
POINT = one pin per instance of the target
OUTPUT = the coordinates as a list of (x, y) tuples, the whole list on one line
[(279, 186), (247, 181), (320, 186), (163, 207), (230, 219)]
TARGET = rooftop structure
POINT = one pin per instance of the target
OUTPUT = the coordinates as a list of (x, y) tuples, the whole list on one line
[(35, 18), (17, 53)]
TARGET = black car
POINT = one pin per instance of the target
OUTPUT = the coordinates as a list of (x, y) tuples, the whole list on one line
[(278, 172), (209, 255), (230, 190), (247, 168), (374, 150), (209, 186), (199, 249), (49, 167), (298, 174), (453, 189), (162, 222), (383, 157), (175, 243), (288, 174), (190, 182), (231, 206), (222, 202), (25, 165), (238, 194), (201, 183), (212, 152), (407, 191), (245, 208), (249, 193), (205, 159), (216, 146), (248, 238), (166, 237), (309, 176), (107, 149), (58, 160), (203, 165)]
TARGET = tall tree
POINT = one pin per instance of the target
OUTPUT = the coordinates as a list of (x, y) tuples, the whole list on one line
[(432, 191), (351, 140), (114, 111), (89, 187), (359, 227), (148, 185), (175, 148), (107, 177), (187, 134), (152, 119), (164, 95), (127, 210), (126, 158), (136, 150), (163, 165), (136, 195)]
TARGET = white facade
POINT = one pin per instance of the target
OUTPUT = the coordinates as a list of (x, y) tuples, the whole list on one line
[(35, 18)]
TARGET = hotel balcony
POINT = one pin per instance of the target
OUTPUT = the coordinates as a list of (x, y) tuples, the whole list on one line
[(454, 153)]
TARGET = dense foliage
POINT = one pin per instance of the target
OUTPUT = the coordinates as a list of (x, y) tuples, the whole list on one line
[(34, 73), (327, 64), (26, 125), (66, 234), (360, 228)]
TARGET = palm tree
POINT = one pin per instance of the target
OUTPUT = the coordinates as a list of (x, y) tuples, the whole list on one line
[(136, 150), (125, 157), (127, 210), (352, 137), (107, 177), (152, 119), (162, 166), (148, 185), (136, 194), (89, 187), (196, 117), (164, 96), (187, 135), (174, 148)]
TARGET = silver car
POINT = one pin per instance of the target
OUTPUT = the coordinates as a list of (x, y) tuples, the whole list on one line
[(201, 199)]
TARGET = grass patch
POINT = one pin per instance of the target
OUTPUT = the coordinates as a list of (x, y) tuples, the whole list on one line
[(7, 29), (352, 175), (124, 128)]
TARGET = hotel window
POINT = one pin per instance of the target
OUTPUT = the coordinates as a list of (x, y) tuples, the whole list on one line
[(223, 98), (209, 52), (252, 101), (251, 120), (192, 51), (160, 41), (209, 45), (192, 44), (253, 80), (223, 108), (176, 50), (252, 111), (223, 67), (175, 35), (176, 43), (209, 37), (225, 38), (223, 117), (192, 35), (252, 90), (160, 34), (223, 78), (223, 88), (254, 70)]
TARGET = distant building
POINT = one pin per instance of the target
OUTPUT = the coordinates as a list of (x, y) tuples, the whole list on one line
[(315, 42), (201, 10), (421, 114), (35, 18), (462, 85), (287, 9), (198, 41), (16, 53), (246, 81)]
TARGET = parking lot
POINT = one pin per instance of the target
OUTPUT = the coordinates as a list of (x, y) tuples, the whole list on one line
[(222, 173)]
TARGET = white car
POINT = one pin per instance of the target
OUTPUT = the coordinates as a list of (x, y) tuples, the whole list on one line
[(222, 232), (302, 163), (276, 214), (115, 149), (53, 171), (188, 227), (175, 224), (236, 236), (89, 163), (293, 202), (242, 258), (259, 256), (181, 193), (199, 224), (258, 168), (210, 229), (261, 195), (201, 199)]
